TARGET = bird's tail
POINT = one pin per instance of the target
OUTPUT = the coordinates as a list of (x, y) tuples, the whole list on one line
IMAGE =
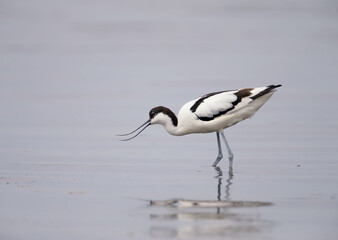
[(267, 90)]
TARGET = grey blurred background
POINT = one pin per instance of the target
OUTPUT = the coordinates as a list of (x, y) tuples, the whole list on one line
[(73, 74), (85, 68)]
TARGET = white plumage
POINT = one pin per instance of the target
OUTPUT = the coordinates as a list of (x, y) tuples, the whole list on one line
[(212, 112)]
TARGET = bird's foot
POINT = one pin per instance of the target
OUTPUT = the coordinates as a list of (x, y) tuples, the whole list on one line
[(219, 157)]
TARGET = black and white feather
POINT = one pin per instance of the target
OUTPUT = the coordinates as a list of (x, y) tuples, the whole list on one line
[(213, 105)]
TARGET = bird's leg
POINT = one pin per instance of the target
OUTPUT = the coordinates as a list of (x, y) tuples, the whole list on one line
[(220, 154), (231, 155)]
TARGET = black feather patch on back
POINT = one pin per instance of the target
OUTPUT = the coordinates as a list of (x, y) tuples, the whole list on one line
[(240, 94), (199, 101), (269, 88)]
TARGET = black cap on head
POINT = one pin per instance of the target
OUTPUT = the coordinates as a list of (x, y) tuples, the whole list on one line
[(160, 109)]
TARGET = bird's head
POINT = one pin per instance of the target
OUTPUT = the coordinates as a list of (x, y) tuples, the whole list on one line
[(157, 115), (162, 115)]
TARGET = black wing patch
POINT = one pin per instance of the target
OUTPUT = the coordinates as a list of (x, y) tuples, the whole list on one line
[(267, 90), (240, 94), (201, 100)]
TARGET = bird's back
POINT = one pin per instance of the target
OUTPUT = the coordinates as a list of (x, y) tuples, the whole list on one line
[(219, 110)]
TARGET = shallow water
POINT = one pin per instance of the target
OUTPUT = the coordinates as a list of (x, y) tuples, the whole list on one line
[(73, 75)]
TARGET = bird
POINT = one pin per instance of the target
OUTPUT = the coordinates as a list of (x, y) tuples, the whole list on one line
[(213, 112)]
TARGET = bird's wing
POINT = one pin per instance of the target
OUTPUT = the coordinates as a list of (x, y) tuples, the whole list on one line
[(213, 105)]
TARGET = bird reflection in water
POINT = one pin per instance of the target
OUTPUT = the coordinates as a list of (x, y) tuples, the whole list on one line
[(219, 176), (197, 218)]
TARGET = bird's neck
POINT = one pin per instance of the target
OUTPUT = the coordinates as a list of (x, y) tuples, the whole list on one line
[(172, 129), (170, 123)]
